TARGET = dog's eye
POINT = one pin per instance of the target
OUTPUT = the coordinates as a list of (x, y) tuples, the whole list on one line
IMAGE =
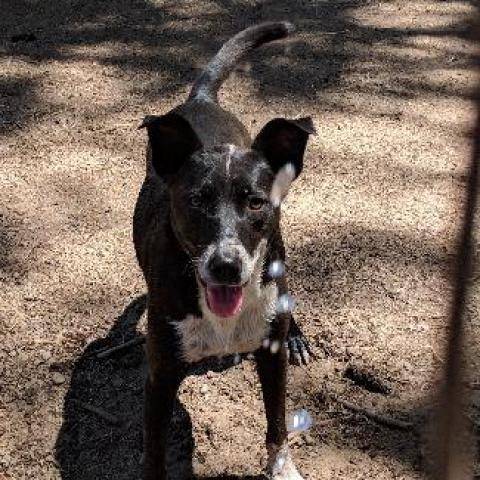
[(256, 203), (195, 200)]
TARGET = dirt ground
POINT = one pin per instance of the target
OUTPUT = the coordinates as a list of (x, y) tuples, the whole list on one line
[(370, 228)]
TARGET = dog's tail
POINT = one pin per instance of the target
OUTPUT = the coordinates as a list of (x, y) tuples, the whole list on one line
[(215, 73)]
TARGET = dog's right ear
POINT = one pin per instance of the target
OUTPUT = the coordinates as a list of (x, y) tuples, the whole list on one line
[(172, 141)]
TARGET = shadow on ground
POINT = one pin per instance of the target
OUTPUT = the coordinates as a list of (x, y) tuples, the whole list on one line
[(89, 446), (161, 46), (91, 443)]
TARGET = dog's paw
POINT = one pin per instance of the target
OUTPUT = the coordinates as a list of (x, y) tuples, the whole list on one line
[(282, 466), (298, 350), (289, 472)]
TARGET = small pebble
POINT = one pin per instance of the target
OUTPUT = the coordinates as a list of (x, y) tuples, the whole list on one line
[(309, 440), (204, 389), (58, 378), (45, 355)]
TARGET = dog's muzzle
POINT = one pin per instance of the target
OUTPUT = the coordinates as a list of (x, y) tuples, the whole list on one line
[(224, 270), (225, 267)]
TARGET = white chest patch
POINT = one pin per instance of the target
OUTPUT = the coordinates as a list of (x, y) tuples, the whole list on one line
[(208, 336)]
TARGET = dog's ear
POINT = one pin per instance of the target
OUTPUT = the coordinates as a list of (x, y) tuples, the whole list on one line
[(282, 142), (172, 141)]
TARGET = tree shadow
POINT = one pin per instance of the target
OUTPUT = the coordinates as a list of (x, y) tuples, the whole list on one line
[(354, 264), (14, 263), (89, 446), (157, 49), (341, 257), (18, 94), (143, 38), (376, 436)]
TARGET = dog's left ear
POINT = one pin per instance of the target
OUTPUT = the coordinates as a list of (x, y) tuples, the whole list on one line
[(282, 142), (172, 141)]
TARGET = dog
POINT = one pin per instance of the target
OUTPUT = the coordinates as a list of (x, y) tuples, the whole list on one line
[(207, 236)]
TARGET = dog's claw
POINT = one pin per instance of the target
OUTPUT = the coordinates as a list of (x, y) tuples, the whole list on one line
[(298, 350)]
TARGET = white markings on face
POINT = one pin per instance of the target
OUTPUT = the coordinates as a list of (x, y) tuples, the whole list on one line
[(211, 335), (230, 151), (232, 247), (281, 184), (202, 263), (280, 465)]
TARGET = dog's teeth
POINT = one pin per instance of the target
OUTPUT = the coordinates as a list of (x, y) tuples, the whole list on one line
[(266, 343), (237, 359), (276, 269), (285, 303)]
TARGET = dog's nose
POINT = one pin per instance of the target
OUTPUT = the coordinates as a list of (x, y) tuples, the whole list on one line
[(225, 268)]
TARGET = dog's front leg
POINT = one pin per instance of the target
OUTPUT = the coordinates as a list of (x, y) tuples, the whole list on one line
[(298, 347), (165, 374), (272, 371), (160, 393)]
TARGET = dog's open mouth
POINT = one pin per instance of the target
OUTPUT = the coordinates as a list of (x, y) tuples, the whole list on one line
[(224, 300)]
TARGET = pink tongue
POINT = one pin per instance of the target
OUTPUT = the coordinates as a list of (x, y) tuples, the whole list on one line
[(224, 301)]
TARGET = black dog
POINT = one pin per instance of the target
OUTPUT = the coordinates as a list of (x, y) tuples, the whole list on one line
[(208, 240)]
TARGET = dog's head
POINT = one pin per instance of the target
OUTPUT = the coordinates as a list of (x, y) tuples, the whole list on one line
[(225, 199)]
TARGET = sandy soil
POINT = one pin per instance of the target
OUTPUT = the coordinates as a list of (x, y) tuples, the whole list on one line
[(370, 228)]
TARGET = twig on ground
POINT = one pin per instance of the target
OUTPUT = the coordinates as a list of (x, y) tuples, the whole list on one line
[(98, 411), (334, 32), (376, 417), (122, 346)]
